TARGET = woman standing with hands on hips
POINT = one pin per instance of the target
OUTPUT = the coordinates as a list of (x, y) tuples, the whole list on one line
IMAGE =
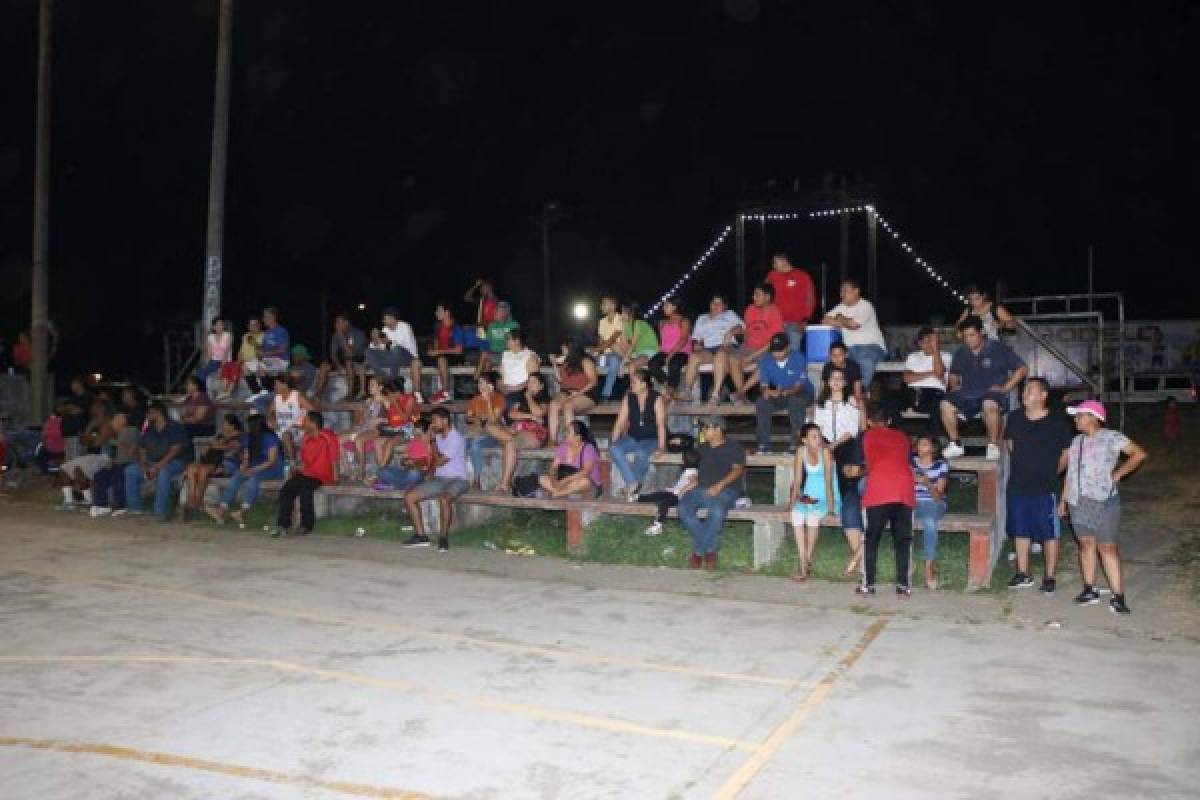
[(1090, 496)]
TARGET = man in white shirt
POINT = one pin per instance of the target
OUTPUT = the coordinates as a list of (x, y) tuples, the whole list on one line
[(855, 317), (712, 341), (925, 373), (400, 353)]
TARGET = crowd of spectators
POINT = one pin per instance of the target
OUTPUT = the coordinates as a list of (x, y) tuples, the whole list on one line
[(852, 467)]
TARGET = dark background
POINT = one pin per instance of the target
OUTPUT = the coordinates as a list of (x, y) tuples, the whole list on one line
[(389, 152)]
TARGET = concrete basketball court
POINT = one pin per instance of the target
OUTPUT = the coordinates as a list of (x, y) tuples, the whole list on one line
[(141, 660)]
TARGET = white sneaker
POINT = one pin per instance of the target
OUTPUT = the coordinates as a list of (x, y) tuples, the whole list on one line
[(120, 512), (99, 511), (954, 450), (631, 494), (993, 452), (1035, 548), (655, 529)]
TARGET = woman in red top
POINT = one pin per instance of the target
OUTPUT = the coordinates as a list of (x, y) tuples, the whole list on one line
[(399, 413), (318, 467), (447, 350), (890, 497)]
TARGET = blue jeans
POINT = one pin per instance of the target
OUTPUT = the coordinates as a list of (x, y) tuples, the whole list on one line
[(206, 369), (705, 532), (475, 447), (640, 449), (252, 482), (611, 363), (867, 356), (929, 512), (162, 486), (795, 336), (400, 477)]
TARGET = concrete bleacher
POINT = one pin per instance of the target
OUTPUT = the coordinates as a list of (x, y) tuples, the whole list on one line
[(769, 521)]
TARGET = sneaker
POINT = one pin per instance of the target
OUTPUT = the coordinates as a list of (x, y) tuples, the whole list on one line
[(1103, 590), (417, 540), (655, 528), (742, 502), (993, 452), (1048, 586), (903, 591), (1117, 604), (696, 561), (419, 398), (1020, 581), (120, 512), (443, 544), (864, 590), (953, 450), (631, 494), (1088, 597), (710, 561), (763, 451), (99, 511), (1035, 548), (441, 397), (278, 532)]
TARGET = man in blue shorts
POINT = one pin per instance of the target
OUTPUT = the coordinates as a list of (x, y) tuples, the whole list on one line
[(1036, 439), (982, 373)]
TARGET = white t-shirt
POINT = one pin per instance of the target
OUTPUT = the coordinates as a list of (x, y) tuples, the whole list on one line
[(922, 362), (514, 367), (863, 313), (684, 479), (836, 420), (402, 336), (710, 331)]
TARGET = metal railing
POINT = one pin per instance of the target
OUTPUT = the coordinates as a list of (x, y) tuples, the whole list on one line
[(1069, 307)]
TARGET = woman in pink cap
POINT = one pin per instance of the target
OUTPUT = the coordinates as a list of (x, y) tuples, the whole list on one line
[(1094, 469)]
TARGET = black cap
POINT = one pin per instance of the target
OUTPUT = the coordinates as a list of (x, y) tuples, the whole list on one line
[(779, 342)]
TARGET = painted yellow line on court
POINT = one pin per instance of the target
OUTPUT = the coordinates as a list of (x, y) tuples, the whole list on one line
[(770, 746), (595, 722), (205, 765), (580, 656)]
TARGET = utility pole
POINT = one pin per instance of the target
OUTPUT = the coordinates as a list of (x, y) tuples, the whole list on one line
[(548, 215), (213, 264), (39, 311)]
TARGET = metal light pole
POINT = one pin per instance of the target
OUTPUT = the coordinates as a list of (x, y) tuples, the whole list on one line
[(39, 310), (213, 265)]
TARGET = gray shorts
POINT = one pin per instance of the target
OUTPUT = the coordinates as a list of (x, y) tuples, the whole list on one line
[(1102, 524), (89, 465), (452, 488)]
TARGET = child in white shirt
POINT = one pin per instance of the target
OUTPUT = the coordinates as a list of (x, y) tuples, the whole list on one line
[(669, 499)]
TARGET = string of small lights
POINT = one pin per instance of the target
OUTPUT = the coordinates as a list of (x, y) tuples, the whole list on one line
[(704, 257), (785, 216)]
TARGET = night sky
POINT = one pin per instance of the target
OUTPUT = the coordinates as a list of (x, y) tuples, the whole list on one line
[(389, 152)]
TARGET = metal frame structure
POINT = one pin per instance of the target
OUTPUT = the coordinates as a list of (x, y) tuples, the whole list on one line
[(1037, 305), (763, 213)]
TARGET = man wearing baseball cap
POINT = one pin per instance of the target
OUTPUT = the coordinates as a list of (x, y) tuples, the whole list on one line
[(720, 482), (1094, 470), (783, 373)]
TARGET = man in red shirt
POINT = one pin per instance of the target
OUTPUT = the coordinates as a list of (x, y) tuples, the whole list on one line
[(763, 320), (795, 296), (318, 467), (890, 497)]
